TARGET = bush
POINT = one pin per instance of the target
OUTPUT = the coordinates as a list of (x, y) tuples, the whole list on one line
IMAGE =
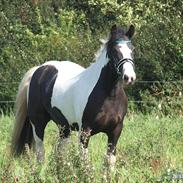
[(33, 32)]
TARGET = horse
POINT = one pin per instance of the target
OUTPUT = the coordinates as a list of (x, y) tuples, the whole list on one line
[(89, 100)]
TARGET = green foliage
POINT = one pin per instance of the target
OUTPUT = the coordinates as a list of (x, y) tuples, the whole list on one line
[(32, 32), (149, 150), (163, 97)]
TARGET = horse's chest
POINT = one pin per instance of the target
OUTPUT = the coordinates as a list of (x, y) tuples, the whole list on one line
[(110, 114), (105, 113)]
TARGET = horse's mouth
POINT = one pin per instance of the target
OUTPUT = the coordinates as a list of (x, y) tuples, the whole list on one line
[(127, 80)]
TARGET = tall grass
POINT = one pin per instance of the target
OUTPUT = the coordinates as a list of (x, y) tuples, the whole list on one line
[(150, 149)]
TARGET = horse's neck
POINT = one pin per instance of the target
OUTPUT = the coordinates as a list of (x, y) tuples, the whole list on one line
[(102, 74), (108, 81), (92, 73), (101, 61)]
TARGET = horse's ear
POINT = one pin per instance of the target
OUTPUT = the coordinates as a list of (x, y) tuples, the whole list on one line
[(113, 28), (130, 31)]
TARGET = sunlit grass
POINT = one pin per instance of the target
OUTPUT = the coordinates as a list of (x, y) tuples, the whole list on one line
[(150, 149)]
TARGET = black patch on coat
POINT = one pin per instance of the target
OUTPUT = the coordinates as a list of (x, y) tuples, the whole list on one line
[(107, 103), (41, 87), (60, 120), (39, 103)]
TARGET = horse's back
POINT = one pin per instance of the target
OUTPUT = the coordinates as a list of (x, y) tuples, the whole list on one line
[(67, 69), (63, 93), (46, 79), (49, 90)]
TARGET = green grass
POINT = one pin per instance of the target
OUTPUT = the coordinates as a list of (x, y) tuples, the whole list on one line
[(150, 149)]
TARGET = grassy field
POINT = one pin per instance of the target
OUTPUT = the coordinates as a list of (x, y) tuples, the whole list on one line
[(150, 149)]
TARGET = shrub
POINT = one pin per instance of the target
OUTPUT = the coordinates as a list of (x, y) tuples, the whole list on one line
[(33, 32)]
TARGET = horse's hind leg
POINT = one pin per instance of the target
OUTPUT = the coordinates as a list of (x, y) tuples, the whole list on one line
[(38, 126)]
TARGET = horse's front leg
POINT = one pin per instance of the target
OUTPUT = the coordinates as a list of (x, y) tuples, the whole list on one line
[(113, 137), (84, 140), (64, 133)]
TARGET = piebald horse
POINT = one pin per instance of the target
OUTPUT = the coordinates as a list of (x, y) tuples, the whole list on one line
[(90, 100)]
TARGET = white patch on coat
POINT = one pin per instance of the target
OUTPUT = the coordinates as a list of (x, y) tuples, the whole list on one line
[(84, 153), (38, 145), (61, 144), (73, 86), (111, 160)]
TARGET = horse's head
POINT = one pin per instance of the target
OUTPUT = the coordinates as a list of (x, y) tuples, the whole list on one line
[(120, 53)]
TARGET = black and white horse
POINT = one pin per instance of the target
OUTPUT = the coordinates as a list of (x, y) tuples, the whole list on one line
[(90, 100)]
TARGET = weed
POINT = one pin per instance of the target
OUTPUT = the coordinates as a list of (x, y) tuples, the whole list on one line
[(149, 150)]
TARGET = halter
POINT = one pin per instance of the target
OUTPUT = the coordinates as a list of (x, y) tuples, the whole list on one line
[(121, 62), (124, 60), (122, 41)]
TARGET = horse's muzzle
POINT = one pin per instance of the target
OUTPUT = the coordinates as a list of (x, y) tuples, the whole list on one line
[(128, 80)]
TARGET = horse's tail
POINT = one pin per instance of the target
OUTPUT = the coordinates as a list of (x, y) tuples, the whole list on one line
[(22, 132)]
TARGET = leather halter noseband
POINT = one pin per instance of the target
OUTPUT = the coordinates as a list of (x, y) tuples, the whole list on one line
[(121, 62)]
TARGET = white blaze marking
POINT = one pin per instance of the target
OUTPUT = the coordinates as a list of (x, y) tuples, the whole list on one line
[(128, 69), (125, 50)]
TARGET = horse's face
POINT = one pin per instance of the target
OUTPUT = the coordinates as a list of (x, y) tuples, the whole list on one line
[(120, 53)]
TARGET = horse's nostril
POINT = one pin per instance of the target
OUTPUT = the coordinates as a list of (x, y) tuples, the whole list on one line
[(126, 77)]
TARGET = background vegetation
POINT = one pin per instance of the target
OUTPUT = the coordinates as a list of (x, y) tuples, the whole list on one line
[(149, 150), (34, 31)]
